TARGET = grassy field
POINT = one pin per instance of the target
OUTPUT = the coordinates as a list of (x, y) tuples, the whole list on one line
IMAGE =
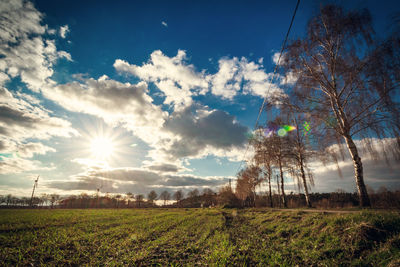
[(198, 237)]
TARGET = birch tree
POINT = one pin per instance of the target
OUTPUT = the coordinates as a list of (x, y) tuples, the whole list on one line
[(342, 84)]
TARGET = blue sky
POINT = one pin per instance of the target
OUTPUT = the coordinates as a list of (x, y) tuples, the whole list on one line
[(166, 89)]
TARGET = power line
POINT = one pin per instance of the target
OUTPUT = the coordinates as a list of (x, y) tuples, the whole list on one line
[(272, 80)]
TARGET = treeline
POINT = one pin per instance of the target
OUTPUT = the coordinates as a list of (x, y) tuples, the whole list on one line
[(225, 198)]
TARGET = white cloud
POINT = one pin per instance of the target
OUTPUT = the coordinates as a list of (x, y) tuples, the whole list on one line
[(63, 54), (275, 58), (24, 150), (195, 131), (19, 20), (117, 103), (179, 81), (290, 78), (173, 76), (164, 23), (234, 75), (64, 30), (51, 31), (21, 120), (257, 82), (25, 53), (226, 82), (18, 165)]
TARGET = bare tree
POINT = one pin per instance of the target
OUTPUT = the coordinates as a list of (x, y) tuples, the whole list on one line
[(208, 191), (300, 155), (129, 196), (226, 197), (336, 86), (165, 195), (247, 181), (8, 199), (152, 196), (263, 158), (117, 199), (178, 196), (139, 199), (53, 199), (194, 193), (43, 199), (279, 149)]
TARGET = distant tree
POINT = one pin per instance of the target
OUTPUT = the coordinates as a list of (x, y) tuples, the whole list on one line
[(9, 198), (152, 196), (279, 150), (247, 181), (208, 191), (44, 198), (226, 197), (345, 83), (263, 158), (299, 155), (178, 196), (139, 199), (194, 193), (84, 200), (165, 195), (36, 201), (53, 199), (129, 196), (24, 201), (382, 189), (370, 190), (117, 198)]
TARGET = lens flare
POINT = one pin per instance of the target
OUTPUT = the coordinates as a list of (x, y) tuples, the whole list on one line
[(282, 132), (288, 128), (306, 127)]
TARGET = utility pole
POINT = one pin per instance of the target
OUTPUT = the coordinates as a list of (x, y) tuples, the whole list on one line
[(33, 190)]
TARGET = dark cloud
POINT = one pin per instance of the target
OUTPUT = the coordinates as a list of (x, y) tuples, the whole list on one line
[(376, 174), (137, 181), (20, 119), (215, 129), (193, 181), (129, 174), (12, 116), (163, 167), (84, 183)]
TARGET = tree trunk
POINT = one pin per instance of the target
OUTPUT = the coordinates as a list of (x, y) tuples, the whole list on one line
[(301, 162), (270, 191), (358, 171), (303, 176), (279, 190), (282, 186)]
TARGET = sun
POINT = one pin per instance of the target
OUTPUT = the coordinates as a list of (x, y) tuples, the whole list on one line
[(101, 148)]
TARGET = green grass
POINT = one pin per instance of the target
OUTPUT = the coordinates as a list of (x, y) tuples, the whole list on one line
[(215, 237)]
